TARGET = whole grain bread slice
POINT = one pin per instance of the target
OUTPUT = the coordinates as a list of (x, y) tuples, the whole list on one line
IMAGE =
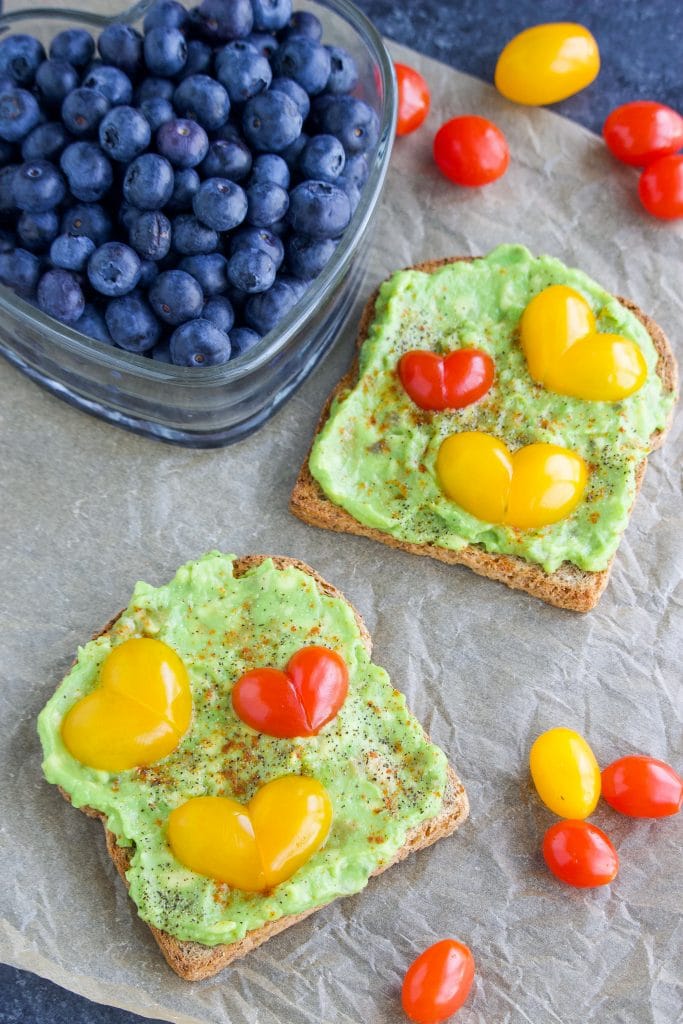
[(194, 961), (568, 587)]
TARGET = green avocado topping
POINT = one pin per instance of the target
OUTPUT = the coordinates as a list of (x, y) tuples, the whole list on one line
[(382, 774), (375, 455)]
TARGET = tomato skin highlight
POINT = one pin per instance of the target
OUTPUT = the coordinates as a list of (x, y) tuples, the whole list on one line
[(640, 132), (580, 854), (661, 187), (438, 982), (446, 382), (471, 151), (642, 787), (413, 99)]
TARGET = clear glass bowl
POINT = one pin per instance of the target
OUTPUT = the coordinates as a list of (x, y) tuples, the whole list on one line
[(221, 404)]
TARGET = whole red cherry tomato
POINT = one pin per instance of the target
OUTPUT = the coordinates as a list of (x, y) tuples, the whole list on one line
[(661, 187), (637, 133), (438, 982), (642, 787), (413, 99), (580, 854), (471, 151)]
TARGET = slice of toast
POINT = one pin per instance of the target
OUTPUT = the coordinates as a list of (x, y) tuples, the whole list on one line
[(568, 587), (194, 961)]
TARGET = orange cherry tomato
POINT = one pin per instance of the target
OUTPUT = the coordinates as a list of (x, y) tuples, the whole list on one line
[(413, 99), (446, 382), (661, 187), (438, 982), (640, 132), (642, 787), (580, 854), (471, 151)]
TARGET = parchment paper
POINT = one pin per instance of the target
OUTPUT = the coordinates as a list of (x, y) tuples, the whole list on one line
[(88, 509)]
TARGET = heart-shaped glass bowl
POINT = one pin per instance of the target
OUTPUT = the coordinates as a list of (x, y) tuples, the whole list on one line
[(221, 404)]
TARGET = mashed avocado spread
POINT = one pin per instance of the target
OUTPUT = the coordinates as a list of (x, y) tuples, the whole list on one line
[(380, 771), (375, 455)]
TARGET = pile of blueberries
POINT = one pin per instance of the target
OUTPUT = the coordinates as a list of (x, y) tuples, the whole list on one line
[(176, 195)]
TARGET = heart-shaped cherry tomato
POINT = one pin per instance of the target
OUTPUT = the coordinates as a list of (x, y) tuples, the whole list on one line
[(438, 982), (446, 382), (413, 99), (580, 854), (642, 787), (296, 702)]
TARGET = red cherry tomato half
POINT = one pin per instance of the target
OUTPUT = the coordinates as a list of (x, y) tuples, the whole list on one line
[(642, 787), (637, 133), (471, 151), (580, 854), (446, 382), (661, 187), (413, 99), (438, 982)]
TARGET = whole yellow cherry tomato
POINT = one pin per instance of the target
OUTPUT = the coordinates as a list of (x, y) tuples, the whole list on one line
[(547, 63), (565, 773)]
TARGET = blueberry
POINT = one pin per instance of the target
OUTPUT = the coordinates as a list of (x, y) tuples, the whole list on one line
[(38, 186), (165, 51), (351, 189), (291, 153), (322, 158), (114, 269), (83, 109), (199, 343), (132, 324), (124, 133), (356, 169), (220, 204), (55, 79), (227, 158), (269, 167), (71, 252), (111, 82), (45, 141), (220, 21), (241, 340), (149, 272), (271, 15), (242, 70), (268, 204), (199, 59), (307, 257), (176, 297), (150, 235), (8, 240), (20, 271), (161, 353), (251, 271), (87, 170), (20, 58), (355, 124), (74, 45), (156, 89), (271, 122), (186, 184), (295, 92), (304, 60), (203, 100), (157, 112), (183, 142), (36, 231), (148, 182), (218, 311), (209, 271), (94, 325), (343, 71), (319, 209), (165, 14), (88, 219), (264, 311), (19, 113), (192, 238), (303, 23), (264, 43), (60, 296), (261, 239), (121, 46)]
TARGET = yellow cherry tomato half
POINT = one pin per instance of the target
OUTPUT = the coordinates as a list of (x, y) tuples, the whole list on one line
[(536, 486), (547, 63), (139, 712), (565, 773)]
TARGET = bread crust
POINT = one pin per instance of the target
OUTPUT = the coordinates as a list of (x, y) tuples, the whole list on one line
[(194, 961), (568, 587)]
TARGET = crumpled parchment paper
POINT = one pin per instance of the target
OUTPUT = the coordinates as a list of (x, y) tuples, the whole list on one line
[(88, 509)]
